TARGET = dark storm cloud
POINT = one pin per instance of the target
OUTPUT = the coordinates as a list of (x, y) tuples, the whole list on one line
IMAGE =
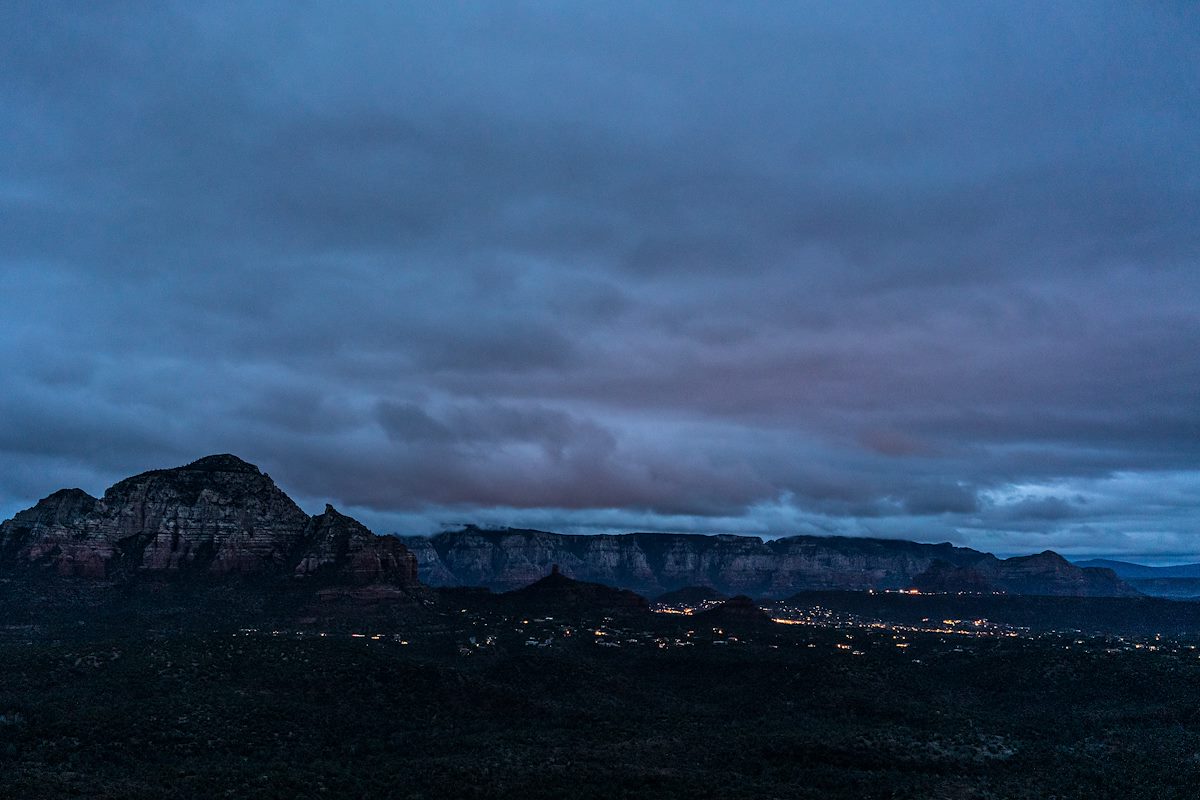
[(924, 271)]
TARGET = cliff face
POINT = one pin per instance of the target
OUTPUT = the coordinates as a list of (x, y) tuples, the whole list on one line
[(48, 525), (653, 563), (216, 516), (345, 550), (1049, 573), (221, 516)]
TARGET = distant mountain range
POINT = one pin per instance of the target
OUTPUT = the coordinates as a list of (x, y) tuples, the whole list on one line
[(653, 563), (1181, 581), (221, 517), (1125, 569)]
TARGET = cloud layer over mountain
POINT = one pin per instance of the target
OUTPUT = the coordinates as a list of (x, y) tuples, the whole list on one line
[(926, 270)]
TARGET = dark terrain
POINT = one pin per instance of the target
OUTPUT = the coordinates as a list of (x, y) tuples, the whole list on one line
[(194, 634), (790, 711)]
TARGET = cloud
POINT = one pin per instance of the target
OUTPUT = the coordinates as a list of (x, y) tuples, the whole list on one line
[(761, 269)]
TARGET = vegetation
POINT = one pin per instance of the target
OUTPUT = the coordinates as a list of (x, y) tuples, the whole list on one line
[(116, 713)]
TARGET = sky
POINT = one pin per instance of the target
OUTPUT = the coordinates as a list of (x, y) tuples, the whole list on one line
[(911, 270)]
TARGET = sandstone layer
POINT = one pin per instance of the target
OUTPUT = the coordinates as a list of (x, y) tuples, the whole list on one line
[(653, 563), (217, 516)]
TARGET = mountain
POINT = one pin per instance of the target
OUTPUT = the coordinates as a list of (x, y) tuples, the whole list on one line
[(1180, 581), (1048, 573), (653, 563), (557, 592), (943, 576), (221, 516), (218, 516), (1125, 569), (738, 612)]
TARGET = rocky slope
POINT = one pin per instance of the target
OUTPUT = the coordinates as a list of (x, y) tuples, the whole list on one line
[(653, 563), (216, 516)]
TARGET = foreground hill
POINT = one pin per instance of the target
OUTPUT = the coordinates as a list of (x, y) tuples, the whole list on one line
[(558, 593), (653, 563), (218, 516), (738, 613)]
